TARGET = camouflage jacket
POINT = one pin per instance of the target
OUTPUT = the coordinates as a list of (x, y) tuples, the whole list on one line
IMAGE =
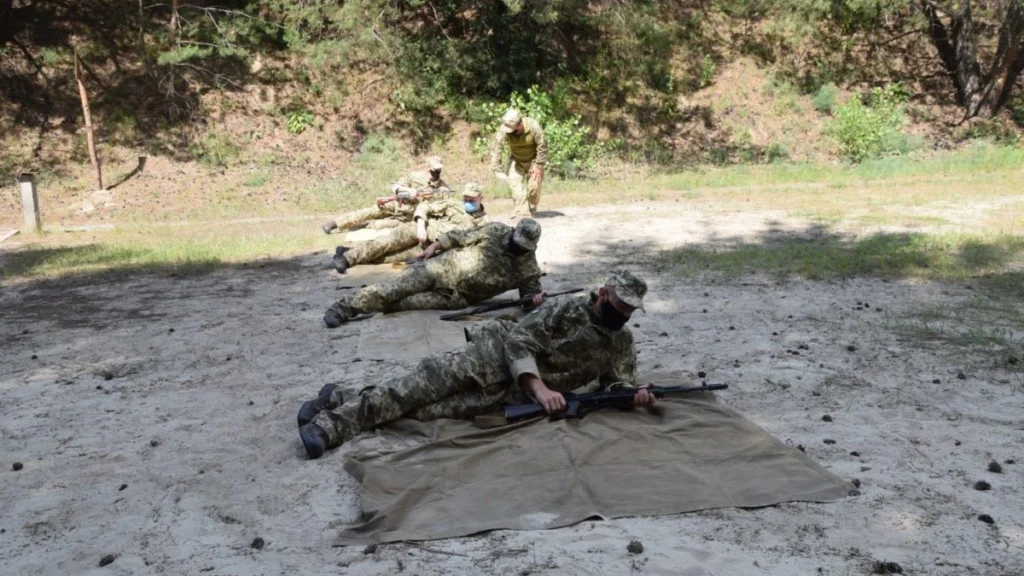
[(478, 264), (529, 148), (445, 214), (420, 180), (562, 342)]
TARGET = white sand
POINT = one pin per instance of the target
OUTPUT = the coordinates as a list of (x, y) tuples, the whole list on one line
[(218, 397)]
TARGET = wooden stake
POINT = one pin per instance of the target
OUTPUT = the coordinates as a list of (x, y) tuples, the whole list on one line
[(88, 124), (30, 202)]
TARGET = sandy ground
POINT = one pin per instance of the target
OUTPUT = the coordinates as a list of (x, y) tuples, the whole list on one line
[(154, 418)]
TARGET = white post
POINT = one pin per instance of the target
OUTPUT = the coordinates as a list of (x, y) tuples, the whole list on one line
[(30, 202)]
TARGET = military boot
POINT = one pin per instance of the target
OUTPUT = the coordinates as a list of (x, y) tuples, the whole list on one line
[(340, 263), (314, 440), (323, 401), (338, 314)]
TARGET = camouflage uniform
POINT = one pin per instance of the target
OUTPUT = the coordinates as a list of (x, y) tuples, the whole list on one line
[(563, 342), (477, 264), (526, 150), (397, 211), (441, 215)]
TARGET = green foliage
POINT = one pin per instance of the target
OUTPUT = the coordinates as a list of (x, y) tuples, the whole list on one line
[(707, 71), (871, 126), (216, 150), (825, 98), (776, 152), (379, 145), (256, 180), (299, 120), (571, 150)]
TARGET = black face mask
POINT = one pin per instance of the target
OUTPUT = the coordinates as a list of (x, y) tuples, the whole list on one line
[(516, 249), (611, 318)]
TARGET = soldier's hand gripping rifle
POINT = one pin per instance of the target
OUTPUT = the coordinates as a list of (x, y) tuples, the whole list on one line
[(577, 405), (504, 304)]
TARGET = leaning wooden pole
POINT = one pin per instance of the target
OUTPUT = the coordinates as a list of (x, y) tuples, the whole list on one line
[(88, 124)]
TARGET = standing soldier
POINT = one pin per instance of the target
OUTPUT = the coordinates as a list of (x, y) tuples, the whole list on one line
[(529, 157), (433, 218), (409, 190)]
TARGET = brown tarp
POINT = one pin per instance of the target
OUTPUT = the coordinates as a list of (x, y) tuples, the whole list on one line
[(683, 455)]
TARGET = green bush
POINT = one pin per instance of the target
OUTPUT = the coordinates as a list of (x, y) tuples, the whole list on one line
[(299, 120), (379, 144), (824, 99), (256, 180), (776, 152), (871, 126), (571, 149), (216, 150)]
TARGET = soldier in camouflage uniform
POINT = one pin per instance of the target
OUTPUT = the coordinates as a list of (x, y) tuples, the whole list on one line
[(528, 151), (563, 345), (477, 264), (396, 211), (433, 218)]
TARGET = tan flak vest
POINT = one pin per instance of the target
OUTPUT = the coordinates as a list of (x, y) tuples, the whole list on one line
[(523, 148)]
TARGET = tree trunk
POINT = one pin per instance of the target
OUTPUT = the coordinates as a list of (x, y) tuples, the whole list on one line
[(88, 124), (1009, 60), (172, 26), (978, 93)]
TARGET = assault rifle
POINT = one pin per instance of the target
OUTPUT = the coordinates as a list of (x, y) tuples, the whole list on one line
[(577, 405), (415, 195), (504, 304)]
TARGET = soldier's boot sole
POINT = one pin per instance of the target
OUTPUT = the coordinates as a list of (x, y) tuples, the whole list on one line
[(322, 402), (333, 319), (340, 263), (314, 440)]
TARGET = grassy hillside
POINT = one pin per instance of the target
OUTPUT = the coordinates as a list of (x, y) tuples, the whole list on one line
[(264, 105)]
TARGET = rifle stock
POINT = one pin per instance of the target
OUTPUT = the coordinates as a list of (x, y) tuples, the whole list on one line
[(577, 405), (503, 305)]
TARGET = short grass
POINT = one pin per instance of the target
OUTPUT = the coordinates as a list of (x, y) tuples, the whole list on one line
[(987, 332), (829, 256), (183, 250)]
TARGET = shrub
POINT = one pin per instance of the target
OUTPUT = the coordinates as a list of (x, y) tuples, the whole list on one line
[(216, 150), (824, 99), (776, 152), (707, 71), (871, 127), (256, 180), (571, 150), (299, 120), (998, 130)]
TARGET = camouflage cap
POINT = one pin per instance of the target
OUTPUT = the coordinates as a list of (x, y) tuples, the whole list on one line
[(628, 288), (527, 233), (472, 190), (434, 163), (510, 120)]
